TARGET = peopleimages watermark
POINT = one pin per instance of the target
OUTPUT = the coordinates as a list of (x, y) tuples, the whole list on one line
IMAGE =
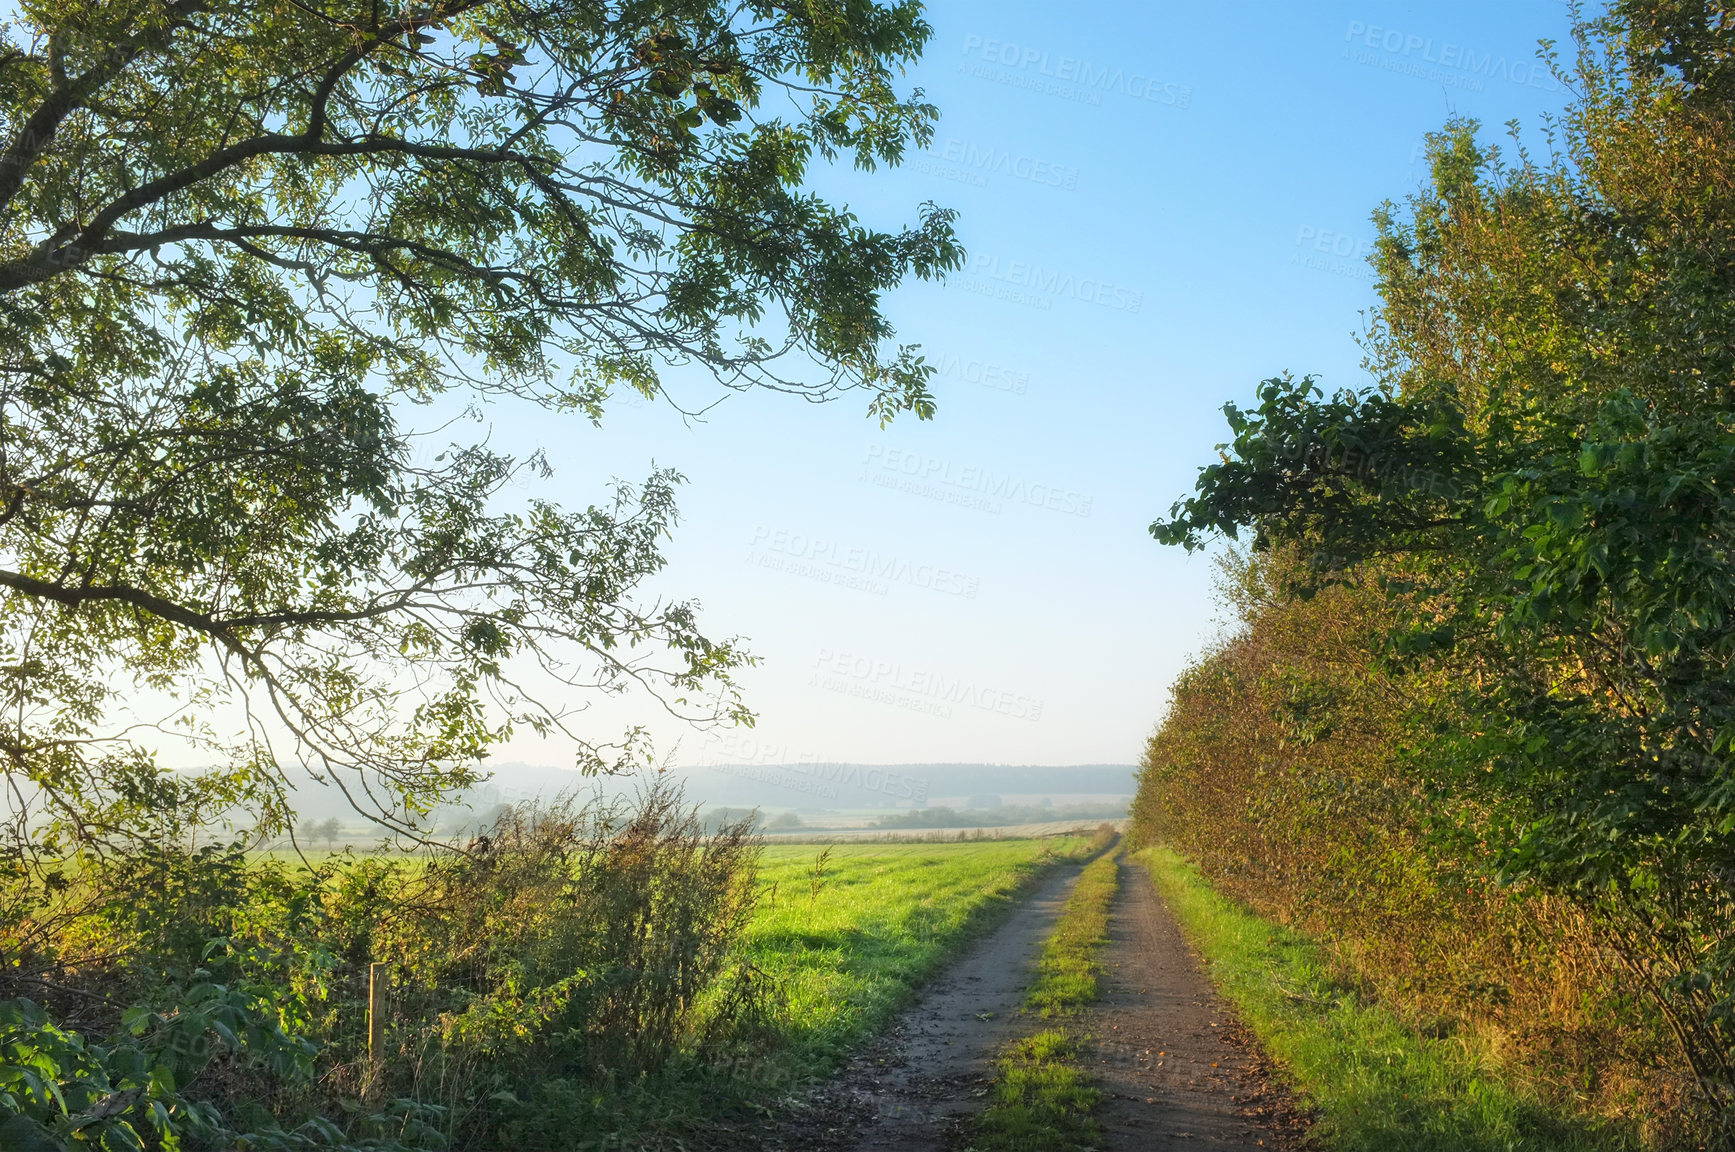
[(1339, 253), (832, 562), (965, 485), (796, 567), (1420, 166), (778, 776), (768, 762), (915, 689), (1454, 65), (970, 163), (1030, 284), (981, 372), (1314, 453), (1066, 77)]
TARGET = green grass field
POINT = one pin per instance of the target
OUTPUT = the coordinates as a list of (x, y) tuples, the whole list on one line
[(885, 916)]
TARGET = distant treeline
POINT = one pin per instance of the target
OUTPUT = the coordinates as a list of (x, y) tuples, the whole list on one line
[(1004, 816), (762, 775), (746, 773), (1476, 724)]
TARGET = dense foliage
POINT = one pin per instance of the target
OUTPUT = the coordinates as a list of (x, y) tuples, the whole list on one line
[(1280, 771), (244, 247), (575, 952), (1529, 515)]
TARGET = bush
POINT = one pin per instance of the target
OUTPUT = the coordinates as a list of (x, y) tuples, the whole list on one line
[(573, 951)]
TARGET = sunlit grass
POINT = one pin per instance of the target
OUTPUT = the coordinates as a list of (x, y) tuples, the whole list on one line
[(1042, 1101), (882, 918), (1067, 972), (1376, 1084)]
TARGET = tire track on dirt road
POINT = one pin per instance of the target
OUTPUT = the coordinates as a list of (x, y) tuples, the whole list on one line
[(1175, 1067)]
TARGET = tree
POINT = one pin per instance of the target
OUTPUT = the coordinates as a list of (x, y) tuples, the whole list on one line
[(243, 247), (328, 830), (1541, 487)]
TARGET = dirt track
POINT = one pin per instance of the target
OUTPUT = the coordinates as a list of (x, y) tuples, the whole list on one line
[(1175, 1069)]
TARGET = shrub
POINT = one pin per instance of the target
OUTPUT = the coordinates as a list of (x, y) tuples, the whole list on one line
[(575, 948)]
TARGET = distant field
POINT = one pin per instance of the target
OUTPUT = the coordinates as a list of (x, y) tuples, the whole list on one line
[(884, 917), (968, 832)]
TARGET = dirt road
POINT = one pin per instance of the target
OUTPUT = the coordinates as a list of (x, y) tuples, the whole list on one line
[(1175, 1069)]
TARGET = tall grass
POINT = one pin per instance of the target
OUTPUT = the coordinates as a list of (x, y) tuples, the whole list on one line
[(592, 943), (541, 976)]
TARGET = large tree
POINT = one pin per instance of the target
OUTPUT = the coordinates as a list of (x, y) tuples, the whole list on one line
[(245, 244)]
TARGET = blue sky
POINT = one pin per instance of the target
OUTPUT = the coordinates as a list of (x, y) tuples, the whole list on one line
[(1164, 204)]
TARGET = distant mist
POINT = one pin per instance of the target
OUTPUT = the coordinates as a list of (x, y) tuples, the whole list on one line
[(832, 786)]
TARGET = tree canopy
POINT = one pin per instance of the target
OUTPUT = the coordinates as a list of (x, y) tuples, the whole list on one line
[(244, 245)]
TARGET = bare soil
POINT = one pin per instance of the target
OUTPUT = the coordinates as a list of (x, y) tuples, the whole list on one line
[(1175, 1067)]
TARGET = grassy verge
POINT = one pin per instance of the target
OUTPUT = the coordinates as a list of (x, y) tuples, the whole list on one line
[(1376, 1084), (1043, 1101), (1066, 975)]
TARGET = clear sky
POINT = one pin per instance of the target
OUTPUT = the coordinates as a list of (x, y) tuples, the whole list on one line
[(1164, 203)]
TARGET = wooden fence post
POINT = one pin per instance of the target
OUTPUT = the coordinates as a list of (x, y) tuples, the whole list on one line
[(376, 1026)]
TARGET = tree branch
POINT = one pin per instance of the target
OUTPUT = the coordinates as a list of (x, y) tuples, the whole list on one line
[(67, 95)]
